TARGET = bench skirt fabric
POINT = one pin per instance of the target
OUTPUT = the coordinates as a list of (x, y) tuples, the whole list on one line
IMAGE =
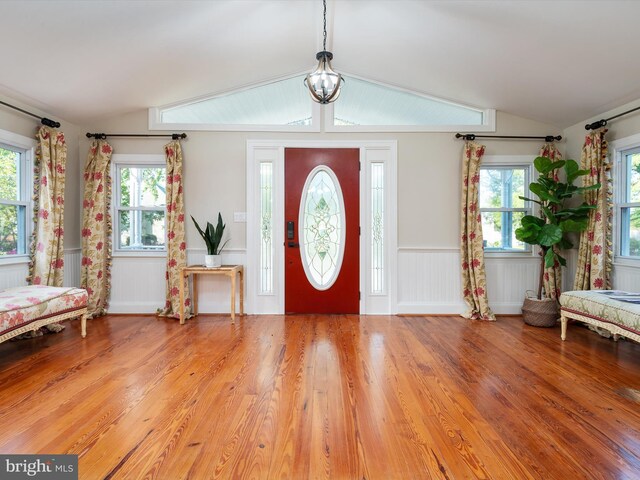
[(612, 310), (24, 309)]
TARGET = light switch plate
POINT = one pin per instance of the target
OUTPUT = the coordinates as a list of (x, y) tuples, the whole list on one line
[(240, 217)]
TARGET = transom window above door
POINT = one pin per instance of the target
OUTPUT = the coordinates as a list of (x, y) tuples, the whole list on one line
[(285, 105)]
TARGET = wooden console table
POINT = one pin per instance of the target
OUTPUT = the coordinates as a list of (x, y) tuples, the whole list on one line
[(228, 270)]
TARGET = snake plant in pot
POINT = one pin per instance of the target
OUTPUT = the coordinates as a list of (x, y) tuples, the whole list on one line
[(551, 229), (212, 237)]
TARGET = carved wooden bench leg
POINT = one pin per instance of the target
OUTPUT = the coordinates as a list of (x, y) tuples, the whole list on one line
[(563, 333), (83, 325)]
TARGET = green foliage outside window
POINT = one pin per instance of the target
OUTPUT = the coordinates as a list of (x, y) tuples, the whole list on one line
[(501, 188), (152, 184), (634, 212), (9, 190)]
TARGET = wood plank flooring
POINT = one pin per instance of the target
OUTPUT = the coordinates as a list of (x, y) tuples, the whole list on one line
[(338, 397)]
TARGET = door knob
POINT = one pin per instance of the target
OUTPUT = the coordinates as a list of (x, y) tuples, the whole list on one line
[(293, 244)]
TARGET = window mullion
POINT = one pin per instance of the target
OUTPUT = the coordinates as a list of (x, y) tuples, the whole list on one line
[(495, 209), (18, 203), (144, 209)]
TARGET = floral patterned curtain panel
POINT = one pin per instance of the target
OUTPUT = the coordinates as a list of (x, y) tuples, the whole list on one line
[(552, 279), (46, 266), (176, 244), (471, 248), (96, 228), (595, 252)]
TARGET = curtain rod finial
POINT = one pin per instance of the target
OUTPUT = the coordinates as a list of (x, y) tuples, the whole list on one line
[(97, 136), (466, 136), (49, 123), (594, 125)]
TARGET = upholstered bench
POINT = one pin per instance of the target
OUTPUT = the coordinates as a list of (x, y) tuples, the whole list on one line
[(612, 310), (24, 309)]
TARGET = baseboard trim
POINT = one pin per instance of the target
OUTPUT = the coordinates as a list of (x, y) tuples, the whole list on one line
[(511, 308), (143, 308), (454, 308), (421, 308), (134, 308)]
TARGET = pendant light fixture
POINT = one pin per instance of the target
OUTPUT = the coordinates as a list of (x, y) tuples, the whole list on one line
[(323, 83)]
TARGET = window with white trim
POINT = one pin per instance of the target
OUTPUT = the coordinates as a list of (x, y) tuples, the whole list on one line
[(140, 207), (628, 204), (15, 200), (501, 207)]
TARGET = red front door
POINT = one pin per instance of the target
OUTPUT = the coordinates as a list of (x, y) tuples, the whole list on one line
[(322, 240)]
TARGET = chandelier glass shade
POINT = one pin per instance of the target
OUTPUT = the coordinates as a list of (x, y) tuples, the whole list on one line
[(324, 83)]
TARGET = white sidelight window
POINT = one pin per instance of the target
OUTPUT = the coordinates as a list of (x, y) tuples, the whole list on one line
[(377, 228), (266, 227)]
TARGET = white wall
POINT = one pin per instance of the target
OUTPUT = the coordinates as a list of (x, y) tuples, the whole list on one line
[(16, 122), (624, 277), (429, 166)]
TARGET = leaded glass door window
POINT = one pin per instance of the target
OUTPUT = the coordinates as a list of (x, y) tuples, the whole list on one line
[(322, 227)]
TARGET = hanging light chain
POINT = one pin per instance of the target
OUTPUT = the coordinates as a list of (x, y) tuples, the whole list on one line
[(324, 14), (323, 83)]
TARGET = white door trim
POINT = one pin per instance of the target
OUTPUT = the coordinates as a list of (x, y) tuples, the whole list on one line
[(384, 152)]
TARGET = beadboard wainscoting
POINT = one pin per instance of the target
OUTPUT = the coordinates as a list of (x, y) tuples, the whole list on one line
[(508, 280), (569, 272), (72, 262), (15, 274), (626, 277), (429, 281), (138, 283)]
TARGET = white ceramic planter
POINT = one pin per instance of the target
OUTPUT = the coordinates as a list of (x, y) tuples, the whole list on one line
[(212, 261)]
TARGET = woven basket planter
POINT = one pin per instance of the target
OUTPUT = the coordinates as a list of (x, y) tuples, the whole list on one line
[(540, 313)]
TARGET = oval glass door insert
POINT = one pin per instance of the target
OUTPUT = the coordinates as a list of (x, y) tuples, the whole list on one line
[(321, 227)]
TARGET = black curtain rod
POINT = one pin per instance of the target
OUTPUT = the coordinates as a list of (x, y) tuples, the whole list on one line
[(103, 136), (473, 136), (45, 121), (603, 122)]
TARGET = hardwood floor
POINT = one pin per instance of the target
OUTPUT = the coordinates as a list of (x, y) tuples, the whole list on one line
[(340, 397)]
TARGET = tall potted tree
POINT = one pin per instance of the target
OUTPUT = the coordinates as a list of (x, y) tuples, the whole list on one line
[(550, 230)]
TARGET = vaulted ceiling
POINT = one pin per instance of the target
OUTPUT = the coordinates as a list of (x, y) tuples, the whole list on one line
[(559, 62)]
